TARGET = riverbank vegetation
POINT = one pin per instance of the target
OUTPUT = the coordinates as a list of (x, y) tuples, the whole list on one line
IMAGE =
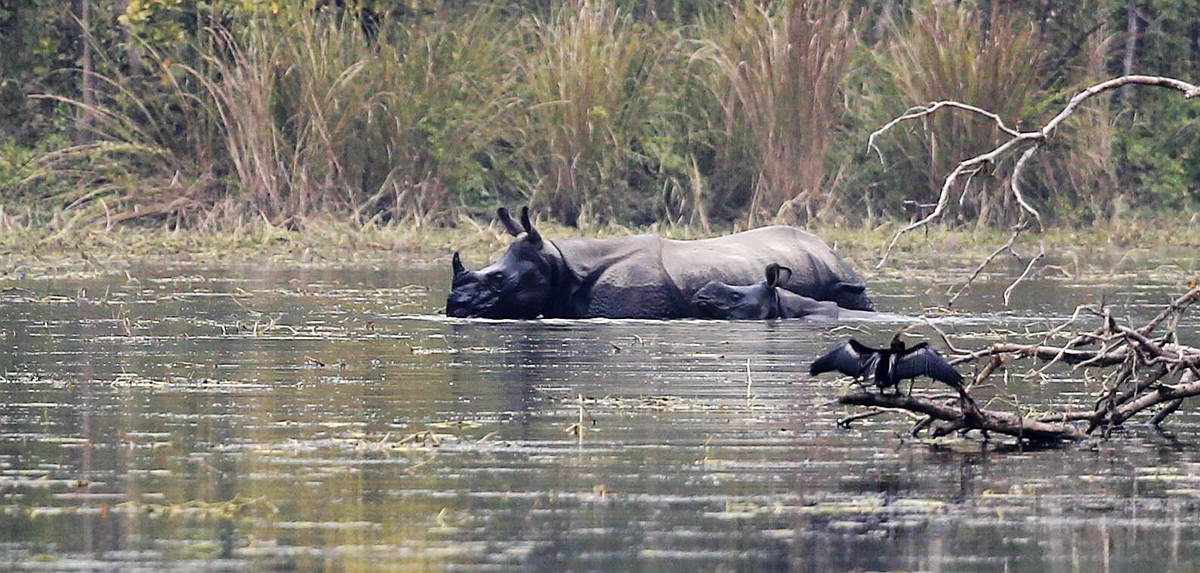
[(27, 248), (252, 114)]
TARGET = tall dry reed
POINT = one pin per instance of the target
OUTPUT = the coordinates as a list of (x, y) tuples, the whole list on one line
[(781, 74), (149, 153), (592, 82), (297, 115), (320, 119), (1081, 174)]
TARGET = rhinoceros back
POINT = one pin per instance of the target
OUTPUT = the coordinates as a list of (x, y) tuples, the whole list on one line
[(621, 278), (646, 276), (740, 259)]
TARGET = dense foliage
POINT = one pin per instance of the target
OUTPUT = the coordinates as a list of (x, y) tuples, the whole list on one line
[(189, 112)]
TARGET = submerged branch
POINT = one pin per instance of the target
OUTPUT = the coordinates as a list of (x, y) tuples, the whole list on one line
[(969, 418), (974, 275)]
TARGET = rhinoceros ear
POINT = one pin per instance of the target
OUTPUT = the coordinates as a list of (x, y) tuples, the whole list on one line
[(512, 226), (456, 262), (777, 274), (534, 236)]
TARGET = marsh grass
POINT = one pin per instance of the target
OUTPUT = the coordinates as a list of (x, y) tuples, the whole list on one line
[(1078, 178), (145, 152), (594, 79), (321, 119), (291, 117), (779, 73), (31, 246), (595, 112)]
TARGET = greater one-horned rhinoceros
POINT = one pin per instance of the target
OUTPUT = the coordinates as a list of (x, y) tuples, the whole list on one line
[(643, 276)]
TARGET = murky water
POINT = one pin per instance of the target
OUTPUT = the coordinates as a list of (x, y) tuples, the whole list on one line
[(236, 419)]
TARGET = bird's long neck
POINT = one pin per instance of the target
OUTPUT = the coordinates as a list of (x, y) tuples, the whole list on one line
[(883, 373)]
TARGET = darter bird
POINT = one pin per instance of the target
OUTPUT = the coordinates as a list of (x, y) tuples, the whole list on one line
[(888, 365)]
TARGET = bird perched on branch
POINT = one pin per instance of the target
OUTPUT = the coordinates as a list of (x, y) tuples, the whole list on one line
[(888, 365)]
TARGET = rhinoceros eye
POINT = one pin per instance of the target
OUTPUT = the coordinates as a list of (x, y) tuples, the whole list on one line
[(496, 278), (735, 296)]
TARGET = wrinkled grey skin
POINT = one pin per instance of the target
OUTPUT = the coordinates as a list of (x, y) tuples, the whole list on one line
[(760, 301), (643, 276), (767, 300)]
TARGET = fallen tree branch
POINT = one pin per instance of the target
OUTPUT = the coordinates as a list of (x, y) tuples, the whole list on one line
[(1176, 307), (1146, 363), (1046, 352), (1160, 395), (846, 421), (1005, 247), (1028, 268), (974, 419)]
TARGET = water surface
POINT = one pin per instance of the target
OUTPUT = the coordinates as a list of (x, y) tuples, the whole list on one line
[(329, 419)]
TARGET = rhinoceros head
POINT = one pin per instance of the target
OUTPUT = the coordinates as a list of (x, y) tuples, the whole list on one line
[(754, 302), (519, 285)]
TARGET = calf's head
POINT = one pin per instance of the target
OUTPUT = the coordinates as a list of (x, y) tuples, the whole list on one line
[(754, 302)]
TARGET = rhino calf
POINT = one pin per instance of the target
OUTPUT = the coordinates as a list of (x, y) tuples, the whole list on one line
[(767, 300), (760, 301)]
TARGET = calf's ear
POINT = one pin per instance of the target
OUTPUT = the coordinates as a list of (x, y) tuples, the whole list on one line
[(510, 225), (772, 275), (456, 262), (777, 274), (534, 236), (785, 274)]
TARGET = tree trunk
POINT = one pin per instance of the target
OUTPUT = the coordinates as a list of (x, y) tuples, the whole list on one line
[(83, 121)]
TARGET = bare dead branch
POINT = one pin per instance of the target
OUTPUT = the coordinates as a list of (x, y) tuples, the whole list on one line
[(1028, 268), (1078, 339), (1172, 309), (1160, 395), (1016, 185), (967, 418), (1006, 246), (1166, 411), (1033, 139), (1046, 352), (942, 334), (921, 111), (1187, 378), (846, 421), (1142, 380)]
